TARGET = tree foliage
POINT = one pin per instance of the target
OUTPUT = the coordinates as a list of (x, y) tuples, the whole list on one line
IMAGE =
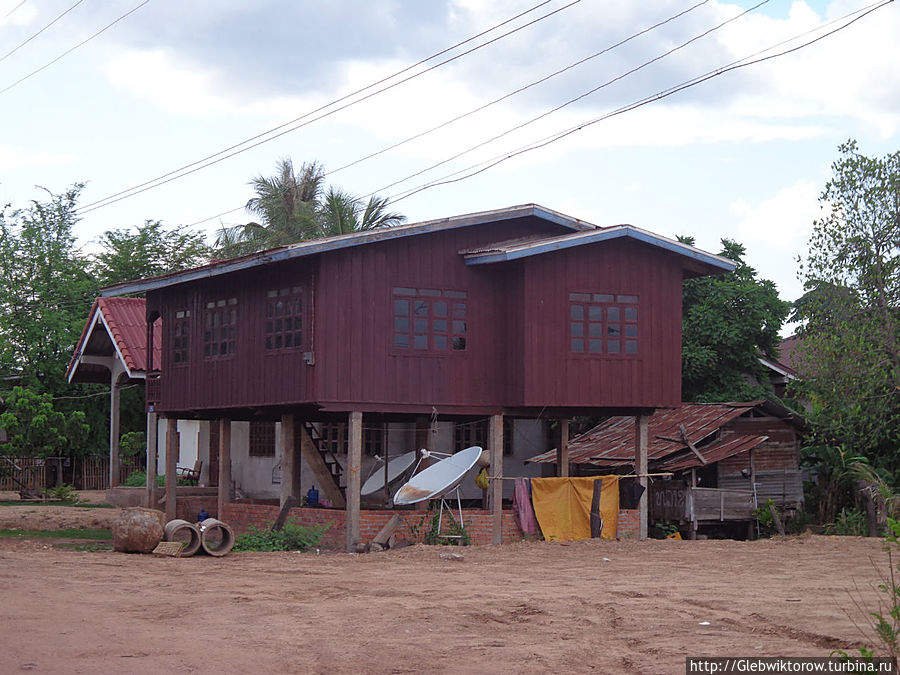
[(850, 350), (729, 321), (35, 428), (45, 291), (147, 250), (294, 207)]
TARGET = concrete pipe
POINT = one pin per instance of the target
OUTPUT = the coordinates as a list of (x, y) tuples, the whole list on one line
[(216, 537), (186, 533)]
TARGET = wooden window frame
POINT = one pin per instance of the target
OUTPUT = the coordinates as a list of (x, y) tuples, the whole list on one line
[(467, 434), (181, 338), (284, 321), (429, 321), (605, 325), (220, 319), (262, 439)]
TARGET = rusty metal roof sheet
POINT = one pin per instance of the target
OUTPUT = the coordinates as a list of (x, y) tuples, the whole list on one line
[(612, 442), (115, 327), (712, 453)]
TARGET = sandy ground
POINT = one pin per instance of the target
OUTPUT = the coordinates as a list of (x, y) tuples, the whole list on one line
[(532, 607), (31, 516)]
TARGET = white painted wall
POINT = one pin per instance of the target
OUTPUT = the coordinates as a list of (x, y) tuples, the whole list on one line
[(188, 444)]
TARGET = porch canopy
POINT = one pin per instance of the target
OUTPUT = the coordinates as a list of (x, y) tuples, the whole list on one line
[(113, 348)]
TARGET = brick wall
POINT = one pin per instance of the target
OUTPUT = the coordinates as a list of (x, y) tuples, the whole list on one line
[(414, 525)]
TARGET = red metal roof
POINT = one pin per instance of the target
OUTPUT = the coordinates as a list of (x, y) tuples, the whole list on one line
[(124, 321)]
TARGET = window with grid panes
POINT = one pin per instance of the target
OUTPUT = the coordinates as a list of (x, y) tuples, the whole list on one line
[(220, 328), (336, 440), (467, 434), (262, 439), (429, 320), (284, 318), (603, 323), (181, 337)]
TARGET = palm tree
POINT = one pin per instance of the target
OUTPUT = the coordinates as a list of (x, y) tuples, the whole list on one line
[(290, 208)]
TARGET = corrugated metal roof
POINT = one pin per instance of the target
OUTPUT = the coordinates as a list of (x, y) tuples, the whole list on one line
[(325, 244), (612, 442), (124, 321), (516, 250), (712, 453)]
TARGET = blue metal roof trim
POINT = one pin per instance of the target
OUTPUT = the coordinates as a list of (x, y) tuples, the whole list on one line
[(307, 248), (597, 236)]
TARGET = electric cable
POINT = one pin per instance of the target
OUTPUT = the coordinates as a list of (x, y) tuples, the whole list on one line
[(15, 49)]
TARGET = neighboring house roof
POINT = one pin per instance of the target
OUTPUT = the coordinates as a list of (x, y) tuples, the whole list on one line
[(116, 328), (611, 444), (532, 246), (788, 352)]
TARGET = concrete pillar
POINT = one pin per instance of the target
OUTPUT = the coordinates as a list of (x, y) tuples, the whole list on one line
[(171, 465), (495, 437), (354, 465), (290, 462), (151, 459), (562, 450), (114, 396), (224, 494), (641, 441)]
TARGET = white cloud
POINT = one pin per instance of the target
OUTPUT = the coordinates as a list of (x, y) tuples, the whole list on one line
[(12, 159)]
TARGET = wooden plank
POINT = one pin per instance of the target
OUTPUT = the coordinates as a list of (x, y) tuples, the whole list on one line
[(496, 446), (641, 442), (777, 519), (224, 493), (171, 466), (596, 518), (354, 462), (686, 441), (386, 532), (321, 473), (562, 449), (286, 507)]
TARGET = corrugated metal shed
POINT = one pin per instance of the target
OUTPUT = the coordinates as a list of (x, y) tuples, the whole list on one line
[(611, 444)]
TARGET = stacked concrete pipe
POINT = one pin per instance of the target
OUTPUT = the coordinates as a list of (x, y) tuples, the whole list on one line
[(213, 531), (175, 530)]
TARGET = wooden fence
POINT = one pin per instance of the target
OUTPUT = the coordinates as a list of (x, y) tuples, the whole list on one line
[(92, 472), (28, 471), (84, 473)]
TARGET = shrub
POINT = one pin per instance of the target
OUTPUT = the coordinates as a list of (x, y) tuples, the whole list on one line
[(292, 537), (850, 522), (139, 479), (63, 493)]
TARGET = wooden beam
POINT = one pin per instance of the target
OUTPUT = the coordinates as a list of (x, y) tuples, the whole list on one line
[(224, 492), (562, 449), (496, 446), (321, 473), (151, 468), (171, 464), (687, 442), (641, 424), (354, 465), (290, 463)]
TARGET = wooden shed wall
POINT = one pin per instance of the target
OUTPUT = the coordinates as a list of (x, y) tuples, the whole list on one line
[(652, 377)]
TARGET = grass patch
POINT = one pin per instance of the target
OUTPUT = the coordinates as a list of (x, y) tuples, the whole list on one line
[(29, 502), (88, 548), (65, 533)]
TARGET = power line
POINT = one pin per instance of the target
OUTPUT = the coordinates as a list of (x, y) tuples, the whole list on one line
[(9, 13), (570, 101), (637, 104), (227, 153), (72, 49), (15, 49), (486, 105)]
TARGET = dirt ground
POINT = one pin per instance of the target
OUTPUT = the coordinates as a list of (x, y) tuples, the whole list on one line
[(532, 607)]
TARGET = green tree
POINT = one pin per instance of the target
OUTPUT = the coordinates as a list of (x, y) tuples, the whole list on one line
[(291, 208), (35, 428), (729, 321), (850, 350), (46, 290), (148, 250)]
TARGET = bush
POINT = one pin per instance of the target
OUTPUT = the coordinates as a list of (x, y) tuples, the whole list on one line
[(291, 538), (63, 493), (139, 479), (850, 522)]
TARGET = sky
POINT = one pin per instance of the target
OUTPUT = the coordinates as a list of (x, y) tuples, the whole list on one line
[(744, 154)]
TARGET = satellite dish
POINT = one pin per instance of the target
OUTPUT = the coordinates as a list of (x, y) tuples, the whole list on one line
[(438, 479), (395, 468)]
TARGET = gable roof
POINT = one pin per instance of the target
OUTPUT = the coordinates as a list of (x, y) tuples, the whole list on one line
[(580, 233), (611, 444), (116, 327)]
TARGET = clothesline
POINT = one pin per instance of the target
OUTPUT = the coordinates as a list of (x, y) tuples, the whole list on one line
[(630, 475)]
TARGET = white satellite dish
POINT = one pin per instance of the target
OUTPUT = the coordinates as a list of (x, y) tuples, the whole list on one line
[(438, 479), (395, 468)]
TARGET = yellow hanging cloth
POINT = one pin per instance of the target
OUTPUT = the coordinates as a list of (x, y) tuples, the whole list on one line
[(563, 506)]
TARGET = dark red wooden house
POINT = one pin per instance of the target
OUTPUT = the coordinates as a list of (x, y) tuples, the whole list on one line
[(518, 312)]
